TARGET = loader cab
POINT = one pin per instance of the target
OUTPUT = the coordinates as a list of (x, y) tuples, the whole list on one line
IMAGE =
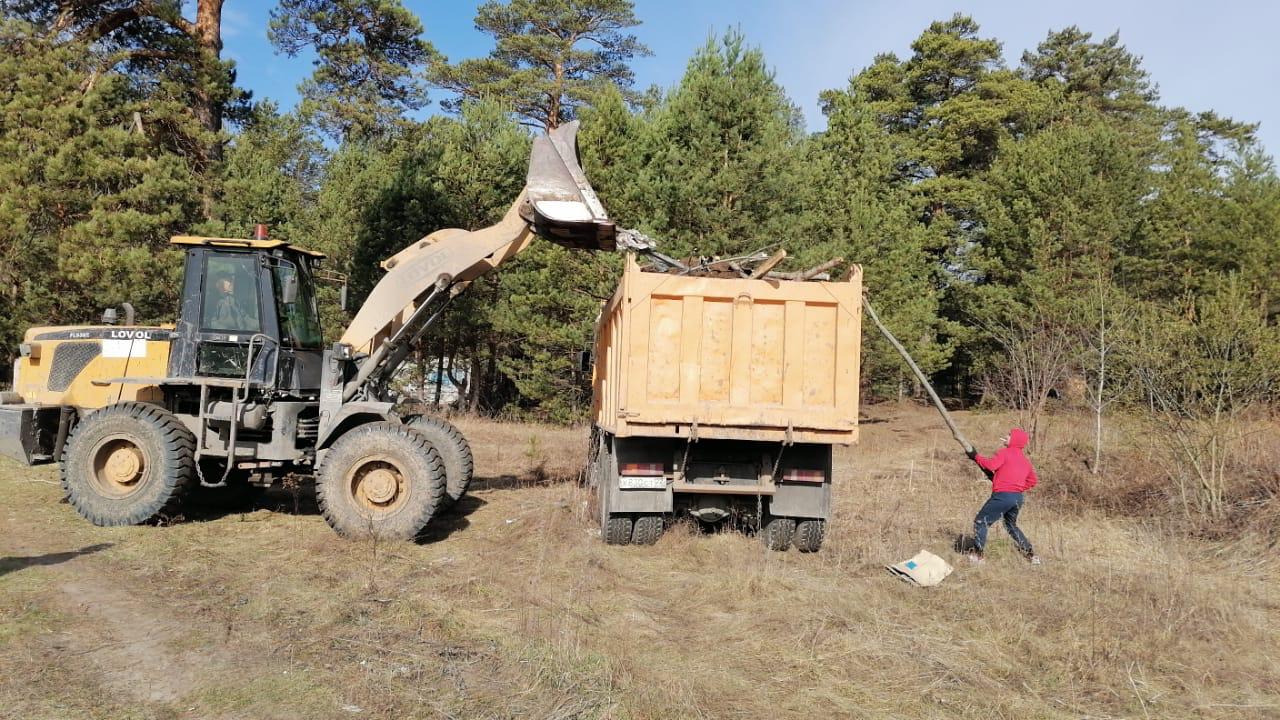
[(248, 311)]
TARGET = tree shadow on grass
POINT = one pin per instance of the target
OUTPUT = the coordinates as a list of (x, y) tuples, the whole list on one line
[(17, 562)]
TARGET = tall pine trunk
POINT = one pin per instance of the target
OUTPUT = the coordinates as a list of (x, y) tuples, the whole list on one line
[(207, 33)]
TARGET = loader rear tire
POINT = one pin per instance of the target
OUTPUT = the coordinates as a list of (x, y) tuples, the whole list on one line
[(809, 534), (648, 528), (454, 450), (777, 533), (129, 463), (382, 480)]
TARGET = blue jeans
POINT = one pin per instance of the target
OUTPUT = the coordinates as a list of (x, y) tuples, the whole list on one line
[(1001, 505)]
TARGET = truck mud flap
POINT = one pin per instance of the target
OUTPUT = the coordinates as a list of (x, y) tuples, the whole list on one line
[(640, 501), (22, 437), (802, 500)]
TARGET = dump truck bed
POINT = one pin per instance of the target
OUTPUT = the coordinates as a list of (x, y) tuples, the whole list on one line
[(741, 359)]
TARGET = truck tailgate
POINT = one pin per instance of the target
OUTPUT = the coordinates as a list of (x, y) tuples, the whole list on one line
[(737, 358)]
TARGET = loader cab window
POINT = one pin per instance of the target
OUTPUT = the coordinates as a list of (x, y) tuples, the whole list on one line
[(296, 306), (231, 295)]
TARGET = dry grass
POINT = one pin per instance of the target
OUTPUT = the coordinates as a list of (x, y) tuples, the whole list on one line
[(515, 609)]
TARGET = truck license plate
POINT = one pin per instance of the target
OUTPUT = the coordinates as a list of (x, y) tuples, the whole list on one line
[(631, 482)]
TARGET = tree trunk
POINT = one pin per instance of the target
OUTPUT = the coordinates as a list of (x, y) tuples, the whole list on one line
[(491, 372), (439, 376), (553, 110), (1097, 416), (474, 380), (422, 377), (207, 32)]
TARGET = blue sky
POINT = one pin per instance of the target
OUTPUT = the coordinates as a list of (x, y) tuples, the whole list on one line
[(1221, 56)]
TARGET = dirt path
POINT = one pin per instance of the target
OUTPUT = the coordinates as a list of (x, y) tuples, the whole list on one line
[(130, 641), (126, 637)]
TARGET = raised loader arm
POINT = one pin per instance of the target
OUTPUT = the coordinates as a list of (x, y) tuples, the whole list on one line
[(557, 203)]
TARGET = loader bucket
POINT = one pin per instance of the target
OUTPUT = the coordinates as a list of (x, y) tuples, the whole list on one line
[(557, 204), (564, 208)]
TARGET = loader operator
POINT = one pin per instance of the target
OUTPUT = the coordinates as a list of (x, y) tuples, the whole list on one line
[(1011, 475), (228, 313)]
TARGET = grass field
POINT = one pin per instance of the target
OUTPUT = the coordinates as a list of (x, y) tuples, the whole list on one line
[(513, 607)]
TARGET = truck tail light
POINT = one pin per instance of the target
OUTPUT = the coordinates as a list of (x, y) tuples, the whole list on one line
[(809, 476), (640, 469)]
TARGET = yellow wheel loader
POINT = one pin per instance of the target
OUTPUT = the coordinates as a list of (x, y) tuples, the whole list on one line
[(242, 386)]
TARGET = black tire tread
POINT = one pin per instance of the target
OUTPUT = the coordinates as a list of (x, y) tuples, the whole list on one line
[(617, 531), (809, 535), (647, 530), (339, 512), (777, 533), (177, 446), (454, 450)]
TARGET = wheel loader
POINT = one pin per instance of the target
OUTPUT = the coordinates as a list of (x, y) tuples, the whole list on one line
[(242, 385)]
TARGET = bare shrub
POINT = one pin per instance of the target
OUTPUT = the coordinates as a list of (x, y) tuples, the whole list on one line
[(1203, 372), (1103, 325), (1036, 352)]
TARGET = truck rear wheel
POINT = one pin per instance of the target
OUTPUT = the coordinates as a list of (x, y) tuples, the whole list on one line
[(454, 450), (129, 463), (382, 480), (777, 533), (809, 534), (617, 530), (648, 528)]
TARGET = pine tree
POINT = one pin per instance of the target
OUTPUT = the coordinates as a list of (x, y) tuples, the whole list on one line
[(724, 175), (949, 108), (616, 147), (270, 174), (1059, 208), (1252, 196), (550, 58), (369, 56), (88, 195), (859, 213), (155, 45), (1104, 75), (1188, 236)]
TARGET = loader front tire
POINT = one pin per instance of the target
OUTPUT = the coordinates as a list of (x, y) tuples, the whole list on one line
[(129, 463), (454, 450), (382, 480)]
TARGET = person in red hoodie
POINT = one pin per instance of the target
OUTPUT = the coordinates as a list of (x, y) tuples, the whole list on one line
[(1011, 475)]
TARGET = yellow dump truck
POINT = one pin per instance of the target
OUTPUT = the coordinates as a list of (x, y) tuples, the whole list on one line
[(721, 398)]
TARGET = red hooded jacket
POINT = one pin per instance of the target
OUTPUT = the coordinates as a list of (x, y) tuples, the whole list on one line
[(1013, 471)]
